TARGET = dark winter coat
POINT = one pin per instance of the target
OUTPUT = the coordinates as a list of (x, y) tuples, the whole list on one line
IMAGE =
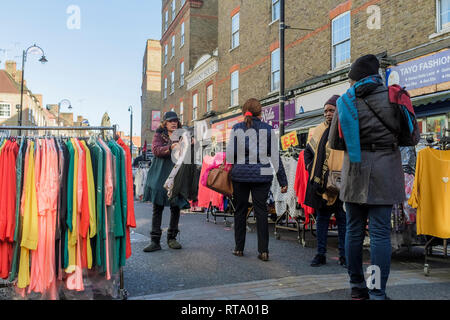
[(250, 171), (379, 180)]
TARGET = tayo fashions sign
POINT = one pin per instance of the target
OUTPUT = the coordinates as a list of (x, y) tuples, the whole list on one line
[(422, 72)]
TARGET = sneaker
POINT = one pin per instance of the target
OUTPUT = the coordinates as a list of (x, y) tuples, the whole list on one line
[(318, 260), (174, 244), (342, 262), (154, 246), (360, 293)]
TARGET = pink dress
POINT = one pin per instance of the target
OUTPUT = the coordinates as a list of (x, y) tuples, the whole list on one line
[(206, 195)]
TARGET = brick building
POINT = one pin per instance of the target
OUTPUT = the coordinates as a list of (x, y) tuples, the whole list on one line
[(403, 34), (317, 62), (189, 36), (151, 89)]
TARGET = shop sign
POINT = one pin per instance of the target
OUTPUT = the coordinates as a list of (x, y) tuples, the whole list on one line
[(289, 140), (422, 72), (271, 114)]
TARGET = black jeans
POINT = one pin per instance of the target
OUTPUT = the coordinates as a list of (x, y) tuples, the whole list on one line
[(323, 222), (157, 219), (260, 194)]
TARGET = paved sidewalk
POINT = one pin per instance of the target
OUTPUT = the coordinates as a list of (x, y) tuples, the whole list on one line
[(299, 286)]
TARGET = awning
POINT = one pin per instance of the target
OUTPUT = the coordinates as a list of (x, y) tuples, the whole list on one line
[(306, 120), (431, 98)]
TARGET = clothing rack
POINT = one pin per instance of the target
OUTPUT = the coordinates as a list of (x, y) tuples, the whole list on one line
[(443, 144), (123, 293), (211, 210)]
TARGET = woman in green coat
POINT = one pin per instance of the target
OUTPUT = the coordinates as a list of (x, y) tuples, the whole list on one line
[(159, 171)]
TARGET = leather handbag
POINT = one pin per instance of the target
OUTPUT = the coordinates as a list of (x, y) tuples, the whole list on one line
[(219, 180)]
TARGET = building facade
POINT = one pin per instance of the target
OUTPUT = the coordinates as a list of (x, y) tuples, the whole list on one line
[(151, 90), (189, 34)]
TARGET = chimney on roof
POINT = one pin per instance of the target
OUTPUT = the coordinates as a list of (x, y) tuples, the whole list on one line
[(11, 67)]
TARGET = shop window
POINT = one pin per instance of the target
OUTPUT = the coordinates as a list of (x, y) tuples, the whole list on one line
[(5, 110), (235, 88), (340, 38), (436, 125), (275, 10), (275, 70), (235, 31), (443, 14)]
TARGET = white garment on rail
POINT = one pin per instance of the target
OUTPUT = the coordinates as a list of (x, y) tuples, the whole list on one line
[(139, 181), (288, 200)]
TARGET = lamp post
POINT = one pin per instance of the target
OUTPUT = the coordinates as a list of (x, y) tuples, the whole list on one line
[(63, 102), (33, 49), (130, 108)]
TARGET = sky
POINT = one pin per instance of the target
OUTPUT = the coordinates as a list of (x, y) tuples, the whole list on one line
[(94, 48)]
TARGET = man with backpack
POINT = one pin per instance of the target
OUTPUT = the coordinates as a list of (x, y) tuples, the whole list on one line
[(369, 126)]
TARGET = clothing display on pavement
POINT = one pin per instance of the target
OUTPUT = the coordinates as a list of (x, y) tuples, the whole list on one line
[(207, 196), (68, 207), (301, 181), (288, 200), (139, 181), (431, 193)]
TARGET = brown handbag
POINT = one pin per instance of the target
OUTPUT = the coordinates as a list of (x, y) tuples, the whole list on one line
[(219, 180)]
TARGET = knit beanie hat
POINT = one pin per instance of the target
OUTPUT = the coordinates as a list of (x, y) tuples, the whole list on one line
[(332, 100), (363, 67)]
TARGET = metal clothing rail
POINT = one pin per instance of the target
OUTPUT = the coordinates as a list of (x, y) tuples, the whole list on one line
[(123, 293)]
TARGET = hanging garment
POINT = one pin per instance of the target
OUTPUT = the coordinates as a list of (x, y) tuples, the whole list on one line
[(301, 182), (431, 193), (207, 196), (286, 201)]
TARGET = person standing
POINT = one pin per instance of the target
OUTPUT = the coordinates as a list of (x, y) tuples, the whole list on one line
[(372, 175), (162, 165), (319, 159), (244, 151)]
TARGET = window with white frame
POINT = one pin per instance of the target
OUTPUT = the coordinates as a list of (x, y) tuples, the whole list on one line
[(209, 97), (166, 48), (275, 10), (443, 14), (166, 20), (173, 9), (5, 110), (181, 111), (235, 88), (340, 38), (194, 106), (182, 35), (165, 88), (182, 73), (172, 81), (173, 45), (235, 31), (275, 69)]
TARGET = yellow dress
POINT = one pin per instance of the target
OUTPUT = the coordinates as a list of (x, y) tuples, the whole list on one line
[(431, 193), (30, 222), (91, 200)]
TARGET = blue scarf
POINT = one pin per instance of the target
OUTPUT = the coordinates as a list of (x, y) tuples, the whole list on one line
[(348, 117)]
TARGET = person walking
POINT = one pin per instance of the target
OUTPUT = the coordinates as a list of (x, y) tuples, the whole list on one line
[(162, 165), (252, 174), (320, 159), (372, 175)]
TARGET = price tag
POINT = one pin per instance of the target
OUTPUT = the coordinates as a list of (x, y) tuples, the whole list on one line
[(289, 140)]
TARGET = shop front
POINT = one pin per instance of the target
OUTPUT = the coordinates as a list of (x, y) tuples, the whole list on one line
[(427, 79)]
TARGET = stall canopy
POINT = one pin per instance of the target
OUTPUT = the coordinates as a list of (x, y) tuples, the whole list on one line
[(306, 120), (430, 104)]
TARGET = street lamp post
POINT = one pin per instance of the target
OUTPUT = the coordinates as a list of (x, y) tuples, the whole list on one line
[(24, 59), (63, 102), (130, 108)]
